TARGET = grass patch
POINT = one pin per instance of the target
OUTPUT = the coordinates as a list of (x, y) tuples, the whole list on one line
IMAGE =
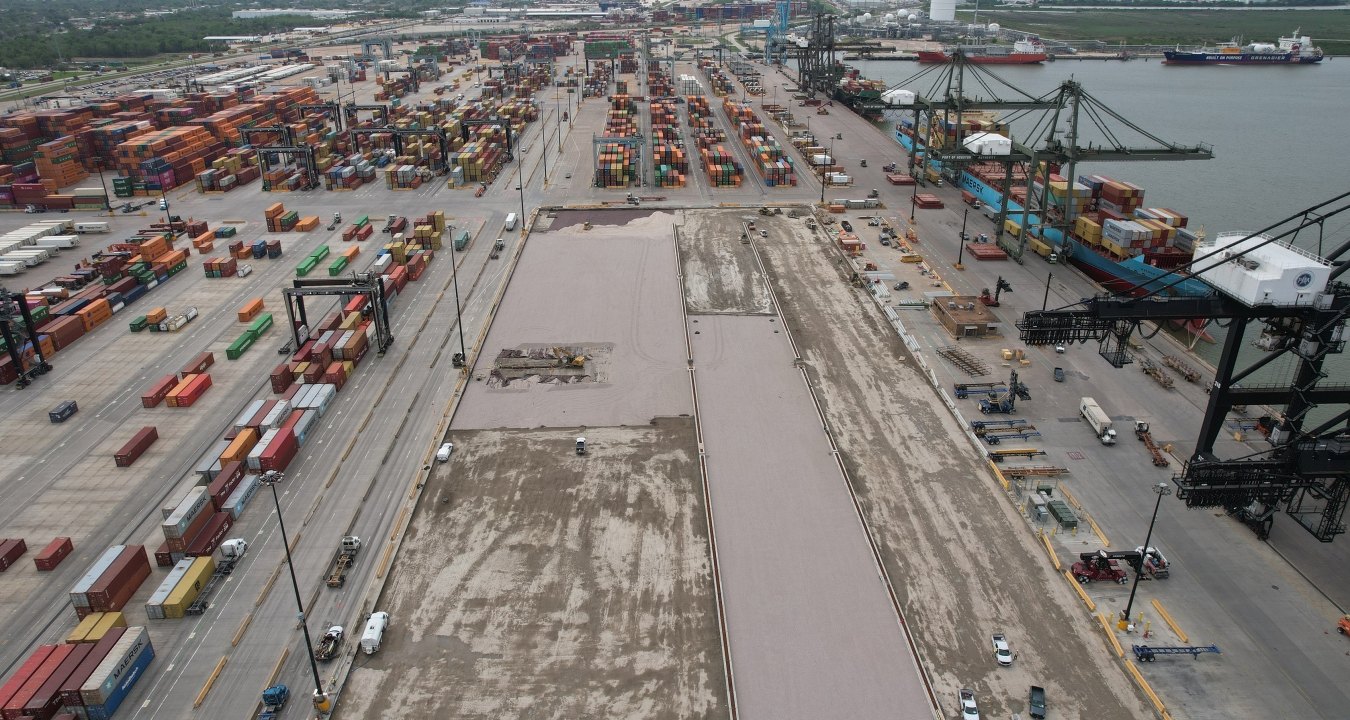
[(1172, 27)]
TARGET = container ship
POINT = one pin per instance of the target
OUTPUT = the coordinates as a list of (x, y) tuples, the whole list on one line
[(1114, 238), (1023, 52), (1293, 50), (861, 95)]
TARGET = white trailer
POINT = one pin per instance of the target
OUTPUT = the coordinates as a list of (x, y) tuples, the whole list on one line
[(1098, 419), (29, 257), (58, 242), (10, 268), (92, 227)]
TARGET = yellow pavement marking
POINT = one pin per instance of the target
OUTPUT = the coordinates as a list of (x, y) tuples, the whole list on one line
[(1167, 618), (210, 680), (1078, 587)]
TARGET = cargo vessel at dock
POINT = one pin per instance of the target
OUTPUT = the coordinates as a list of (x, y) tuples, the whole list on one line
[(1023, 52), (1296, 49), (1138, 253)]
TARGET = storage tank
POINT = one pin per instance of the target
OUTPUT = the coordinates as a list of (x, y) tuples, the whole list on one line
[(943, 11), (993, 28)]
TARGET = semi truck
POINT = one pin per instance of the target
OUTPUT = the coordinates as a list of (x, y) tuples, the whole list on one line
[(1098, 419), (273, 700), (343, 560), (231, 552)]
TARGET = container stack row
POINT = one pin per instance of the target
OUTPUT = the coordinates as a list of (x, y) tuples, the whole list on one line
[(88, 678)]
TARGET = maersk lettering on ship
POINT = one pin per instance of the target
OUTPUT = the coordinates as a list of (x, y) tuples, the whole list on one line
[(1294, 50)]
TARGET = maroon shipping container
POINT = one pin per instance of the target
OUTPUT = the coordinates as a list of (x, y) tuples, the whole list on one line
[(64, 331), (11, 550), (179, 544), (163, 557), (13, 708), (116, 586), (209, 539), (47, 700), (323, 354), (160, 390), (314, 373), (70, 689), (292, 419), (301, 355), (122, 286), (282, 377), (194, 391), (198, 365), (281, 452), (290, 393), (25, 671), (226, 481), (256, 421), (138, 444), (54, 553)]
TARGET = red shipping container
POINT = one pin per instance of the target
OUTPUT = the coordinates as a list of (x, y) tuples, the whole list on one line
[(314, 373), (323, 354), (11, 550), (210, 538), (302, 355), (194, 526), (226, 481), (230, 434), (282, 377), (163, 557), (13, 708), (335, 374), (291, 392), (281, 452), (199, 364), (47, 700), (157, 392), (292, 419), (70, 689), (365, 232), (64, 331), (138, 444), (194, 391), (25, 671), (256, 421), (54, 553), (356, 304), (116, 586)]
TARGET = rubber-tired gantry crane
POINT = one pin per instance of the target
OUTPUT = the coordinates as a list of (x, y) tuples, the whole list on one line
[(1302, 304)]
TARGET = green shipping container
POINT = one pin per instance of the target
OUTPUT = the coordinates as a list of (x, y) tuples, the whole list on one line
[(240, 345), (362, 221), (337, 266), (139, 324), (261, 325), (319, 253)]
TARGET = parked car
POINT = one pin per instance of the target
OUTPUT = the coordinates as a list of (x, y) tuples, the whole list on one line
[(846, 225)]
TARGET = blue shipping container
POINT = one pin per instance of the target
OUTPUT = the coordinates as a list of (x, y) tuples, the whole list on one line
[(134, 294), (115, 698)]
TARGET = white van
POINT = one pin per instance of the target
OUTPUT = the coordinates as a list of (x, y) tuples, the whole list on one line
[(511, 221), (374, 633), (443, 454)]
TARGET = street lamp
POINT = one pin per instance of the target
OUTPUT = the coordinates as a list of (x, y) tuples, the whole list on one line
[(321, 701), (459, 320), (961, 253), (829, 157), (1163, 490), (913, 201), (521, 188)]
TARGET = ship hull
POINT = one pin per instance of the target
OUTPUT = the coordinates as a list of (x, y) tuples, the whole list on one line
[(933, 57), (1173, 57)]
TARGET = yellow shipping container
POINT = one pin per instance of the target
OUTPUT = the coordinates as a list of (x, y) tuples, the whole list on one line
[(1039, 247), (1011, 227), (108, 621), (187, 589), (237, 451), (84, 628)]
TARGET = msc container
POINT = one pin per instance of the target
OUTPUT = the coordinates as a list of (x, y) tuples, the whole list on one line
[(25, 671), (374, 632), (155, 394), (79, 593), (11, 550), (210, 538), (114, 589), (238, 500), (14, 707), (154, 607), (70, 689), (138, 444), (187, 510), (47, 700), (107, 686), (53, 554), (189, 586)]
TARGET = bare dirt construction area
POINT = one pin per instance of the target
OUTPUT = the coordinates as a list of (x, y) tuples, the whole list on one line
[(535, 583), (721, 276), (963, 561)]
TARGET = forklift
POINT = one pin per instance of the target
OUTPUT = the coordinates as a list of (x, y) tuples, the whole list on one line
[(1000, 287)]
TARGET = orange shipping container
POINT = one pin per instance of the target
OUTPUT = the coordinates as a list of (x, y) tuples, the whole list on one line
[(250, 309), (274, 210), (172, 397), (239, 447), (157, 315), (351, 252)]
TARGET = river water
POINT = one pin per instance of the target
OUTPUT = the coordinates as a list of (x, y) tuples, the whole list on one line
[(1281, 140)]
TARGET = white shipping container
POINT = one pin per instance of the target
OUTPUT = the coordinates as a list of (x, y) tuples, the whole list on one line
[(255, 455), (78, 593), (11, 268), (192, 505), (154, 607), (277, 415), (241, 422), (92, 227), (234, 504), (58, 241), (120, 660)]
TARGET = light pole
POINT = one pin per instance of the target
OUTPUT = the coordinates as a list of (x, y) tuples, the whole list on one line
[(98, 163), (521, 188), (830, 158), (1163, 490), (961, 252), (913, 201), (459, 320), (321, 702)]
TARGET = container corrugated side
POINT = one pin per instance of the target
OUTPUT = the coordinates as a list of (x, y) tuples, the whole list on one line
[(47, 700), (189, 586), (25, 671), (255, 455), (188, 508), (125, 683), (238, 500), (154, 607), (70, 689), (13, 708), (252, 409), (79, 593), (108, 621), (106, 677), (82, 630)]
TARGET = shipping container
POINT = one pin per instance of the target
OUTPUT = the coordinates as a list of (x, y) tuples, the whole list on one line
[(79, 593), (156, 393), (137, 445), (10, 551), (53, 554), (241, 445), (164, 556), (154, 607), (188, 508), (189, 586), (280, 452), (250, 410), (47, 700), (238, 500), (84, 627), (210, 465), (105, 623), (198, 365), (24, 673), (107, 686), (14, 707), (114, 589), (225, 483), (70, 689), (210, 538)]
